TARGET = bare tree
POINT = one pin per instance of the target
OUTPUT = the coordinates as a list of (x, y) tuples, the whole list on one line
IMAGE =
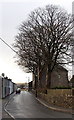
[(44, 39)]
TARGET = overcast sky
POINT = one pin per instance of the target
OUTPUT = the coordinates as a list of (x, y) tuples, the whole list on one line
[(12, 13)]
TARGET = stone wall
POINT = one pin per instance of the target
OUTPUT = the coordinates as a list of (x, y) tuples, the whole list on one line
[(57, 97)]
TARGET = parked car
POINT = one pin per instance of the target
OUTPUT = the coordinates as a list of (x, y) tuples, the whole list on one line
[(18, 90)]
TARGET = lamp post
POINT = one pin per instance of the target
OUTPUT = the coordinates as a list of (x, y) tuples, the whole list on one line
[(36, 84), (28, 84), (2, 87)]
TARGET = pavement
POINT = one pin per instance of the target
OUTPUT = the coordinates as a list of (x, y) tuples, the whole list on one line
[(5, 101)]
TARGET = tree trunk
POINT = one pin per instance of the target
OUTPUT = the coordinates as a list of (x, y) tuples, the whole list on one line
[(39, 81), (49, 77)]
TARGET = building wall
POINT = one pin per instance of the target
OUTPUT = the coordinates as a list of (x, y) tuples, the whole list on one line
[(7, 87), (11, 87), (0, 87), (6, 90), (71, 82), (59, 78)]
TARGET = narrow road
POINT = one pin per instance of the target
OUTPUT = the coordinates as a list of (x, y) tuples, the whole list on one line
[(25, 105)]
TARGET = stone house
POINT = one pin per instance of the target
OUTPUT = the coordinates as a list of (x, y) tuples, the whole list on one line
[(72, 82), (59, 78)]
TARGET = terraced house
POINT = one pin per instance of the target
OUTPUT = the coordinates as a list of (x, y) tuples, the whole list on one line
[(0, 87), (7, 87)]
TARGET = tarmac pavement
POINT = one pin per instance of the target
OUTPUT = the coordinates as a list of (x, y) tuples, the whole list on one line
[(4, 104)]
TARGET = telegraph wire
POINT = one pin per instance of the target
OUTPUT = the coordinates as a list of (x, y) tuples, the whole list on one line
[(8, 45)]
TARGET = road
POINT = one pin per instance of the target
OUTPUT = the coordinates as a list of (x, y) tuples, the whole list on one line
[(25, 105)]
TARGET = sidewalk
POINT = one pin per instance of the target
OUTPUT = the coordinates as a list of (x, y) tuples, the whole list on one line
[(4, 103)]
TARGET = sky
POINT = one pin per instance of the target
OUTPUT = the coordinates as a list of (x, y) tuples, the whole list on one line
[(12, 14)]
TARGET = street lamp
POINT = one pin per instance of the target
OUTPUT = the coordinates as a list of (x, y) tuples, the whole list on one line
[(28, 79), (28, 83), (2, 87)]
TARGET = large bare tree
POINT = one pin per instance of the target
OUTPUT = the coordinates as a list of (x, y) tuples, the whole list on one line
[(44, 39)]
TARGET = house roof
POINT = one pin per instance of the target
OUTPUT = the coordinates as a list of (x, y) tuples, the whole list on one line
[(61, 68)]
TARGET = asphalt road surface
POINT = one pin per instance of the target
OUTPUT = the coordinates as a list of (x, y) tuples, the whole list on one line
[(25, 105)]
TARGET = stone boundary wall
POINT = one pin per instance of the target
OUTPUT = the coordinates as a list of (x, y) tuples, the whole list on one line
[(57, 97)]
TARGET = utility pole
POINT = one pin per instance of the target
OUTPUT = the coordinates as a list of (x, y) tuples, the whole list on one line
[(28, 84)]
